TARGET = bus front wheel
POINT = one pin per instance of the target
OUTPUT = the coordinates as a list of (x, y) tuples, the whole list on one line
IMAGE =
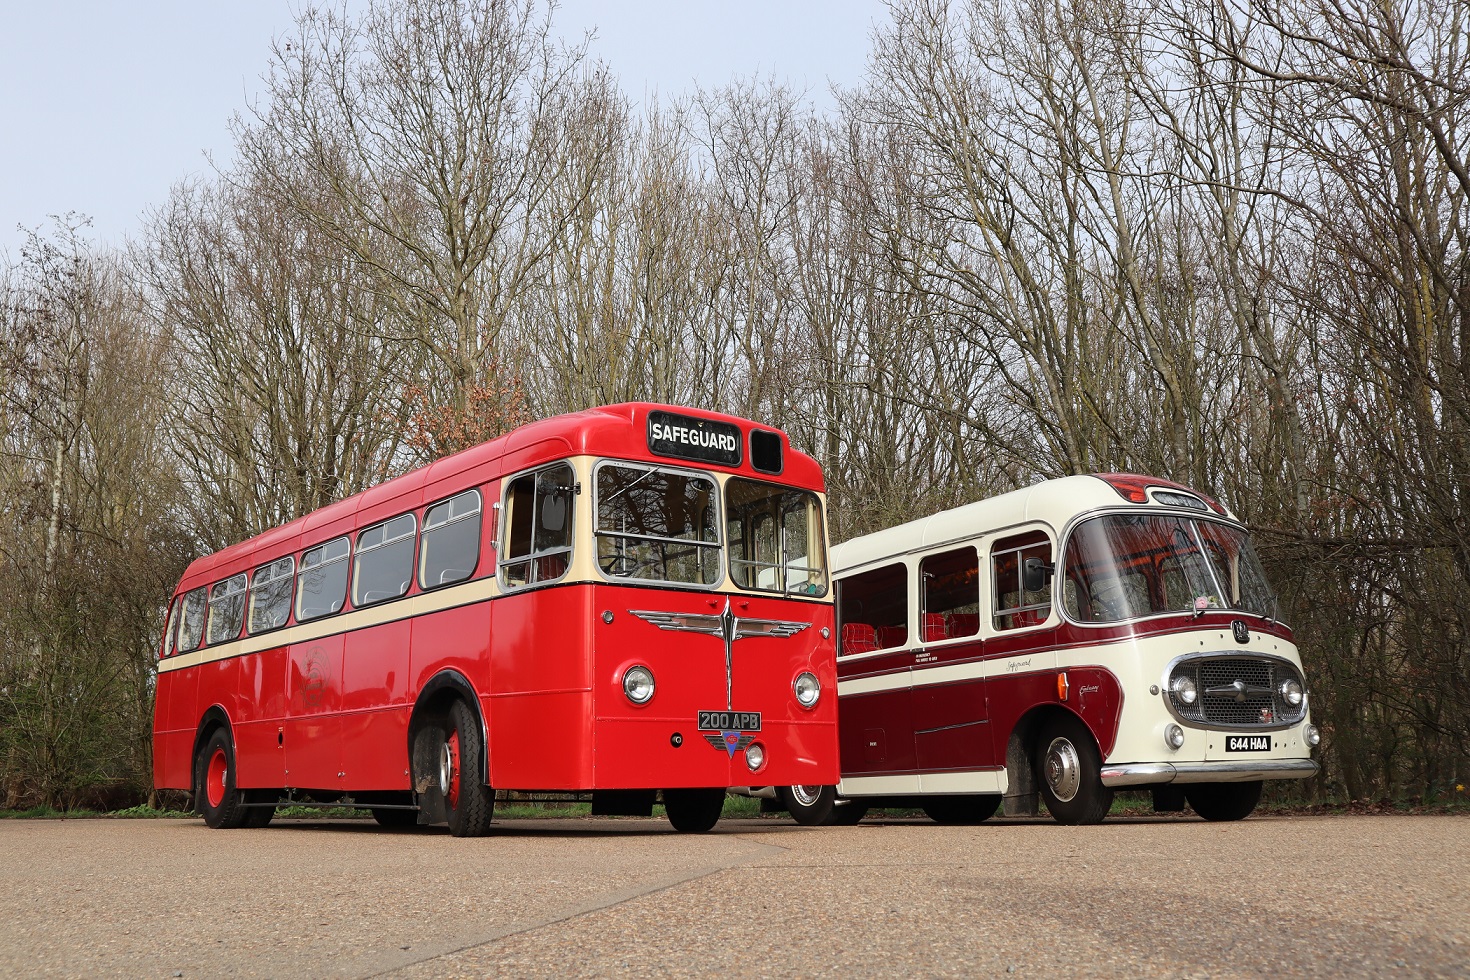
[(469, 804), (216, 796), (694, 811), (810, 806), (1070, 771), (1223, 801)]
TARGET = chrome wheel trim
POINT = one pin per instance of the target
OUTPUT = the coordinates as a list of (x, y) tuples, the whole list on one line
[(446, 769), (1063, 767), (806, 795)]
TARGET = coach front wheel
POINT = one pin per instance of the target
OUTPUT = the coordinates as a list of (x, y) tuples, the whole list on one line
[(468, 803), (810, 806), (1070, 770), (694, 811), (216, 797)]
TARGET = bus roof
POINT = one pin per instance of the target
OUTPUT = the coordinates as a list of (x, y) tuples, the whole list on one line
[(618, 431), (1052, 502)]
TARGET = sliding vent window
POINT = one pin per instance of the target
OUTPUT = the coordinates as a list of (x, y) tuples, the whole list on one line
[(322, 584), (538, 526), (657, 525), (450, 545), (776, 539), (270, 595), (384, 565), (227, 609)]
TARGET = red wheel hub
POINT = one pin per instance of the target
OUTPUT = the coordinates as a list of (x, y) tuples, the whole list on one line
[(451, 795), (214, 781)]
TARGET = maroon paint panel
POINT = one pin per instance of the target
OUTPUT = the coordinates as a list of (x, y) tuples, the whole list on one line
[(952, 727), (877, 733), (850, 668)]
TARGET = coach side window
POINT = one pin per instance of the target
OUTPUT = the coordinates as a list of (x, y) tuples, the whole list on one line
[(873, 609), (191, 620), (1015, 605), (270, 595), (322, 584), (384, 565), (950, 590), (227, 609), (538, 526), (449, 548)]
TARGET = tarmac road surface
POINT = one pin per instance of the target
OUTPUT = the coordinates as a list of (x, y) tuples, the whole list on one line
[(1149, 897)]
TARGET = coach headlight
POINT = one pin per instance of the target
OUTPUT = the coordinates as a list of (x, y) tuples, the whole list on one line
[(1291, 691), (1311, 736), (638, 684), (1174, 736), (1184, 689), (808, 689)]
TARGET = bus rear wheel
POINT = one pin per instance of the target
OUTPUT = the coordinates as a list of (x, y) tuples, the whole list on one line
[(469, 804), (1070, 770), (217, 798), (960, 810), (810, 806), (1223, 801), (694, 811)]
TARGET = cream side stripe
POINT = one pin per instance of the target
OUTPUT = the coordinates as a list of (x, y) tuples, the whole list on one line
[(467, 593)]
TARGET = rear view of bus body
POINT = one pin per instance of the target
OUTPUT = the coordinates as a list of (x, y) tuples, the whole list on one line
[(630, 602), (1069, 639)]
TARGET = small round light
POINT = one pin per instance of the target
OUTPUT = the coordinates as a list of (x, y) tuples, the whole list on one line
[(638, 684), (755, 756), (1291, 692), (1184, 689), (1174, 736), (607, 616), (807, 689), (1311, 736)]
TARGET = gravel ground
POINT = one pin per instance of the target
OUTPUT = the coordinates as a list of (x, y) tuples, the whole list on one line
[(1154, 897)]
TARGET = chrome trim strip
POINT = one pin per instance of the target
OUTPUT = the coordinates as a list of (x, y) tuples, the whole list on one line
[(1148, 773)]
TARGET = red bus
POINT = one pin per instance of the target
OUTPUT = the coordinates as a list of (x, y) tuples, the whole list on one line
[(624, 603), (1077, 637)]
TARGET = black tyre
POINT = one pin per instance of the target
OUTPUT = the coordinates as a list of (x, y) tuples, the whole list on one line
[(1069, 772), (214, 783), (1223, 801), (847, 814), (810, 806), (694, 811), (469, 804), (960, 810), (259, 816), (396, 819)]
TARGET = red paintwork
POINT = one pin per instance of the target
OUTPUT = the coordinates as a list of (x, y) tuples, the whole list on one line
[(546, 668)]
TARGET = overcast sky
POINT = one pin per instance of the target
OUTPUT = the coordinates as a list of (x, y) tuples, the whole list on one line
[(105, 105)]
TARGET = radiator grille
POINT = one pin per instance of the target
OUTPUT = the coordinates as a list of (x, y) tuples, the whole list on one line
[(1237, 692)]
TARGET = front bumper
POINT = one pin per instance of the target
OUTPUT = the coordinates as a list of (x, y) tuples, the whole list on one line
[(1244, 771)]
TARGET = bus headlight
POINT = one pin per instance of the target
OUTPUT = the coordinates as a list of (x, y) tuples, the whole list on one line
[(1174, 736), (1311, 736), (1291, 692), (808, 689), (1184, 689), (755, 756), (638, 684)]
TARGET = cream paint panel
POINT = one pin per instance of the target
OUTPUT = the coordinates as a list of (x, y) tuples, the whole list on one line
[(990, 781), (879, 785)]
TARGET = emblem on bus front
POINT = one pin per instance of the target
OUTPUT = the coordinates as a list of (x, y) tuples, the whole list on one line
[(1240, 630), (727, 626)]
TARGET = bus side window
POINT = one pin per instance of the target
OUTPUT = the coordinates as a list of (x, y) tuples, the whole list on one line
[(950, 595), (449, 548), (227, 609), (171, 630), (1014, 606), (270, 595), (191, 620), (322, 585), (384, 566), (873, 609), (538, 526)]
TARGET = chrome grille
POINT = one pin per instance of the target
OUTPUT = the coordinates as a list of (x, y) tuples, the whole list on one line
[(1237, 692)]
